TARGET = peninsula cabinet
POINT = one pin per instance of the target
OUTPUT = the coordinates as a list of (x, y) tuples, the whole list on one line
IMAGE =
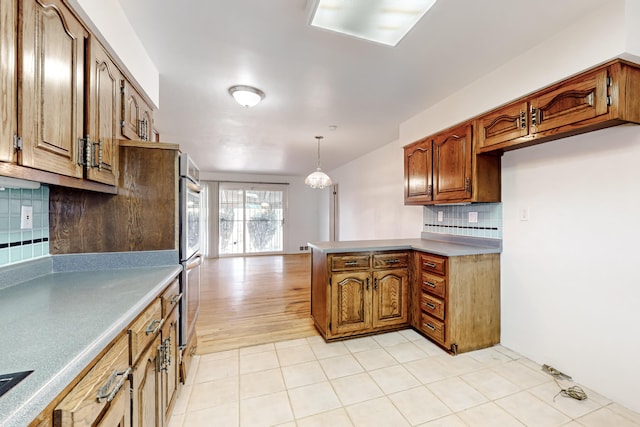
[(444, 168), (601, 97), (457, 300), (359, 293)]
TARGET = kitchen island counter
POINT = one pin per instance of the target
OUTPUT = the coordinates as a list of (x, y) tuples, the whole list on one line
[(445, 245), (57, 323)]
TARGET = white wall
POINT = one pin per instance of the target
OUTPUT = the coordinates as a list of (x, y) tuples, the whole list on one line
[(301, 224), (106, 18), (569, 286), (371, 203), (570, 289)]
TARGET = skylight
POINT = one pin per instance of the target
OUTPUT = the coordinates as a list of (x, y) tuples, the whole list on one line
[(381, 21)]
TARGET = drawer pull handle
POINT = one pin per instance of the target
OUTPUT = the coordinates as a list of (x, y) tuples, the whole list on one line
[(154, 327), (429, 305), (393, 261), (177, 297), (430, 326), (430, 264), (351, 263), (110, 388), (431, 285)]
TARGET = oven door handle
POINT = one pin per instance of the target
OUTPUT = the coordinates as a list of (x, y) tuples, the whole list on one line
[(197, 260)]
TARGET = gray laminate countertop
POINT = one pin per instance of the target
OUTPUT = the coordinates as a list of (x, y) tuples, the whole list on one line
[(57, 323), (445, 245)]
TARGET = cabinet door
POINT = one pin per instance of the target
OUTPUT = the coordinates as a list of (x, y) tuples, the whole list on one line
[(169, 363), (51, 86), (452, 164), (119, 412), (103, 116), (390, 297), (137, 116), (576, 100), (8, 42), (504, 125), (350, 302), (418, 185), (145, 405)]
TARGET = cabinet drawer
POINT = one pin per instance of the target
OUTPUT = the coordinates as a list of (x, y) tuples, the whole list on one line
[(432, 327), (395, 260), (170, 298), (433, 263), (433, 306), (349, 262), (144, 329), (102, 384), (435, 285)]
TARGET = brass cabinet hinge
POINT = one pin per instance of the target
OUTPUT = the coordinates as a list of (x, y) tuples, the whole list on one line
[(17, 142), (609, 84)]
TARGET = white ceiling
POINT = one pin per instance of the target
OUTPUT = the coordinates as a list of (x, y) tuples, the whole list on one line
[(315, 78)]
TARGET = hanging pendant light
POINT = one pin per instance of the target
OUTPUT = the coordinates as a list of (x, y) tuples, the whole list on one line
[(318, 179)]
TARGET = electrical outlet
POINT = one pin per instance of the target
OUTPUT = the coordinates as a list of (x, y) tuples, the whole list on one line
[(302, 248), (306, 248), (26, 218), (473, 217), (524, 214), (440, 216)]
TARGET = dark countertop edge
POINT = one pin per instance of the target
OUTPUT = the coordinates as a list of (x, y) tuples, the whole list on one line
[(36, 403)]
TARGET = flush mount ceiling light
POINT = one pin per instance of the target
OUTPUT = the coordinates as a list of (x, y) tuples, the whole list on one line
[(318, 179), (381, 21), (247, 96)]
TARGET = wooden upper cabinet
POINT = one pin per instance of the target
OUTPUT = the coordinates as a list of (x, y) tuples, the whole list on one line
[(103, 116), (51, 86), (8, 43), (418, 181), (452, 151), (595, 99), (137, 116), (579, 99), (503, 125)]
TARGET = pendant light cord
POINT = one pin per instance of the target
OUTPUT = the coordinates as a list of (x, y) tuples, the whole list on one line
[(319, 138)]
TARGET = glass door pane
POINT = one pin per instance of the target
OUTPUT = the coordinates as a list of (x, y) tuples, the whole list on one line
[(264, 213), (231, 227), (251, 220)]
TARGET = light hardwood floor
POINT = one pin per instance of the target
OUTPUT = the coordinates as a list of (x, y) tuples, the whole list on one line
[(248, 301)]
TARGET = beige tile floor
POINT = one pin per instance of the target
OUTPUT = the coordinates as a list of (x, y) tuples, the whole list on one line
[(393, 379)]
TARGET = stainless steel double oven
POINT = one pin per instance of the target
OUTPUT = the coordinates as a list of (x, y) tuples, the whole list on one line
[(190, 256)]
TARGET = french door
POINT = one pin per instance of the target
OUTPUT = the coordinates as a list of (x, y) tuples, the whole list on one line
[(251, 219)]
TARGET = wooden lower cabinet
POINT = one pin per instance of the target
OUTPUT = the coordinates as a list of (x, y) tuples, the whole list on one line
[(454, 301), (169, 365), (136, 380), (145, 379), (101, 397), (360, 293), (457, 300)]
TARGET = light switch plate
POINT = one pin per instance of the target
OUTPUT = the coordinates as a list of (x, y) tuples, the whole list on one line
[(524, 214), (440, 216), (26, 218), (473, 217)]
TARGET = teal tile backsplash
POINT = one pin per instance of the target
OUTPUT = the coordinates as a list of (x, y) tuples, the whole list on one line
[(455, 220), (17, 244)]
